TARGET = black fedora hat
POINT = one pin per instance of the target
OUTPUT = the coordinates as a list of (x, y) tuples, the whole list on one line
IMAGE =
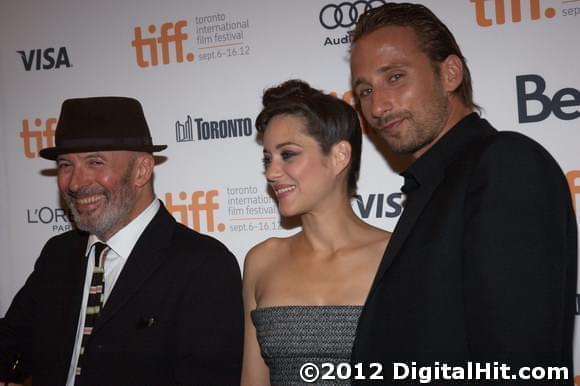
[(101, 123)]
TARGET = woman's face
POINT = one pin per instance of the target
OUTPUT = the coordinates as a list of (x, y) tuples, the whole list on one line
[(296, 169)]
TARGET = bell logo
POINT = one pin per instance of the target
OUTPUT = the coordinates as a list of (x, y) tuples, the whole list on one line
[(146, 49), (191, 206), (44, 59), (35, 140), (531, 88), (481, 16)]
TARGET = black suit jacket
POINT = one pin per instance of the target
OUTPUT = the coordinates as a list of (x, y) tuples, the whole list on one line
[(482, 263), (174, 316)]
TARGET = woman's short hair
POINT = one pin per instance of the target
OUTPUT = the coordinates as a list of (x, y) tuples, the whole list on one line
[(328, 119)]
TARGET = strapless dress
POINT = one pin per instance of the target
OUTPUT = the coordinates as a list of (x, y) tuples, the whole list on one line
[(290, 336)]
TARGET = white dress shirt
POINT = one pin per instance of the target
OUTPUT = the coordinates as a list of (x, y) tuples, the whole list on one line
[(121, 245)]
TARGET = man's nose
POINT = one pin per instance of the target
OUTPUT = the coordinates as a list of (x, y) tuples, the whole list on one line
[(381, 104), (78, 179)]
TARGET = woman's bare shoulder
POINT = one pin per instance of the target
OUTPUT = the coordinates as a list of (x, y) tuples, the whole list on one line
[(265, 253)]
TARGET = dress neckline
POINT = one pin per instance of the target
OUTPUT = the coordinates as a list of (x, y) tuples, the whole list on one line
[(309, 306)]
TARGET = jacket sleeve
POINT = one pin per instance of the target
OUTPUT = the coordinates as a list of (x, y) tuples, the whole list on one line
[(209, 334), (17, 327), (520, 257)]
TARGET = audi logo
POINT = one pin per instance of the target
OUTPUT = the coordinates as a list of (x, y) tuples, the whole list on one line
[(345, 14)]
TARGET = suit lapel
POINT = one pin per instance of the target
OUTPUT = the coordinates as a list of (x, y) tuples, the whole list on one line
[(461, 139), (404, 227), (147, 255), (77, 267)]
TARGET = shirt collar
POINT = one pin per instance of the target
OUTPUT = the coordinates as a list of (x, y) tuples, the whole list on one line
[(123, 242), (431, 165)]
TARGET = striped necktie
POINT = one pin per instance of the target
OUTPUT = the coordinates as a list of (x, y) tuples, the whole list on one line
[(95, 299)]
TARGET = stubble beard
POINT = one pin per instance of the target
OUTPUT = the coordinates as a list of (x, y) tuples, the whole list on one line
[(423, 127)]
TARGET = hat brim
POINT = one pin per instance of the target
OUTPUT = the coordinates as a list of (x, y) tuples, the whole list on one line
[(51, 153)]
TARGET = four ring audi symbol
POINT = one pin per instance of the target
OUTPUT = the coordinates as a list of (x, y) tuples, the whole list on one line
[(345, 14)]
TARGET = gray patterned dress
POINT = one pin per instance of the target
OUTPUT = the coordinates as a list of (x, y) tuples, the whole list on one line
[(290, 336)]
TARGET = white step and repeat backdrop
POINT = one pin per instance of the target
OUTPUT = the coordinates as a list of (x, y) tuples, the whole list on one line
[(199, 68)]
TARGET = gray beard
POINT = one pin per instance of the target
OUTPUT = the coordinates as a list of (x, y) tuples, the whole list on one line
[(115, 214)]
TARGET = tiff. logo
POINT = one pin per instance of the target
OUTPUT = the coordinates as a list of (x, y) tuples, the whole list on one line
[(483, 19), (194, 205), (36, 140), (573, 178), (171, 35)]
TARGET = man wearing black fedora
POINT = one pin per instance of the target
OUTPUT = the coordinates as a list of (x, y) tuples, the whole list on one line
[(131, 297)]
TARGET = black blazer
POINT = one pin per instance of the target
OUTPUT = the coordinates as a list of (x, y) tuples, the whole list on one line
[(174, 316), (482, 263)]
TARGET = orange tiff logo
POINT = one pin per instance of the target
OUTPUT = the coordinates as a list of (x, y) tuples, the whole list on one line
[(35, 140), (484, 20), (169, 35), (188, 210), (573, 177), (350, 98)]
